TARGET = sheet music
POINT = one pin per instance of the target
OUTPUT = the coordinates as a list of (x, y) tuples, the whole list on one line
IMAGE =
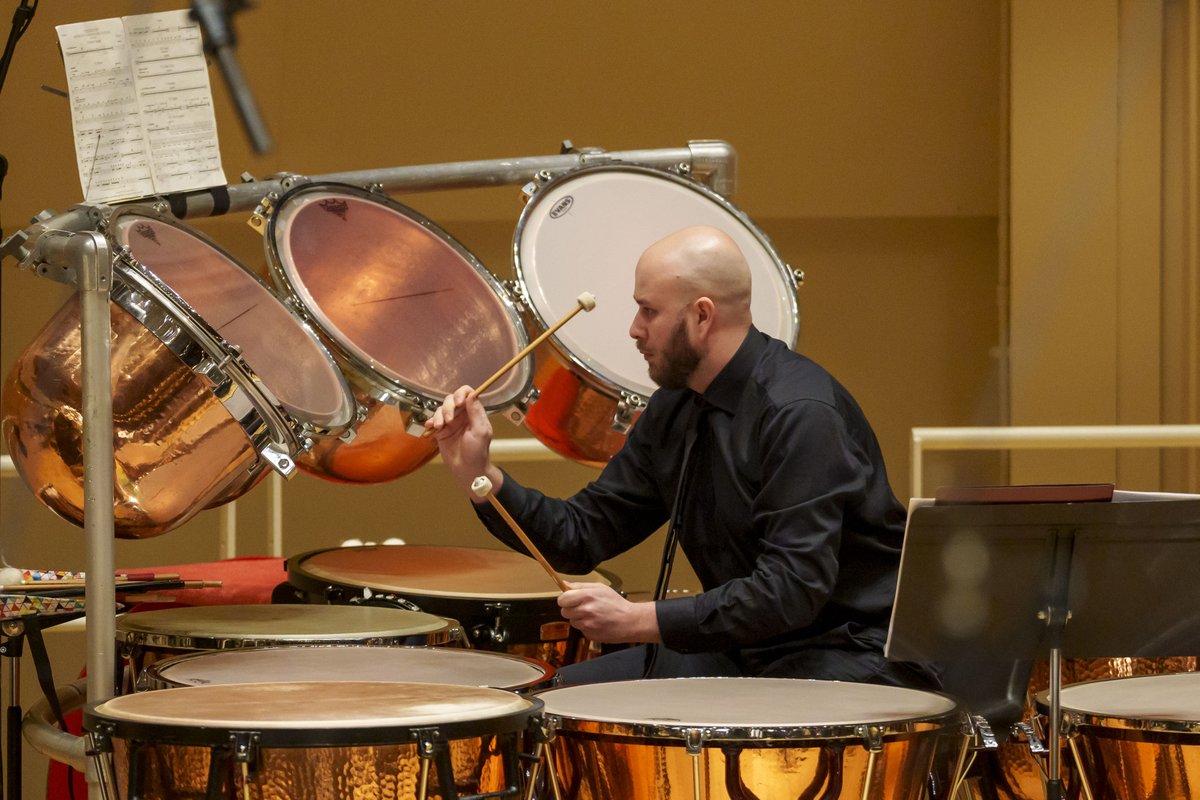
[(141, 106)]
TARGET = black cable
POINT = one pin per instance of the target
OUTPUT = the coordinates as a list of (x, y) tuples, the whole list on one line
[(21, 19)]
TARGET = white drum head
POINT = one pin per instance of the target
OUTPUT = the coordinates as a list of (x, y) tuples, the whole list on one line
[(1148, 697), (407, 664), (586, 230), (743, 703), (282, 351), (312, 704), (264, 624)]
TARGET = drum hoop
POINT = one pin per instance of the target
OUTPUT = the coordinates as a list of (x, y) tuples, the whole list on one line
[(383, 387), (347, 413), (209, 643), (155, 672), (596, 381), (185, 733), (751, 735), (265, 422)]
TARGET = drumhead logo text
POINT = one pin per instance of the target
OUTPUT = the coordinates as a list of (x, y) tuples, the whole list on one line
[(562, 207), (336, 207), (146, 231)]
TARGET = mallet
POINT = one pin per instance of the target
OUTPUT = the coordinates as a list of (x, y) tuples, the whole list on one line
[(482, 487), (585, 302)]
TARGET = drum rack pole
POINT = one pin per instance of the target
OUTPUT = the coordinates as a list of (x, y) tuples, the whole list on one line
[(711, 161), (84, 259)]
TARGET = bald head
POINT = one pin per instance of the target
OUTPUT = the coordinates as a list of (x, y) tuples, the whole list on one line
[(702, 261)]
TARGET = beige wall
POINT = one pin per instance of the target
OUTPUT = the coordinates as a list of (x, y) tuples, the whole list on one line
[(867, 138), (873, 142)]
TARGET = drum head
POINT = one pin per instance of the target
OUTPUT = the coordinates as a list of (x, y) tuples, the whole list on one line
[(1166, 699), (585, 231), (449, 572), (283, 352), (399, 299), (743, 708), (223, 627), (347, 712), (338, 663)]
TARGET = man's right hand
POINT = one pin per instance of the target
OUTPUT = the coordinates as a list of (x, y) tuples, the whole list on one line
[(464, 437)]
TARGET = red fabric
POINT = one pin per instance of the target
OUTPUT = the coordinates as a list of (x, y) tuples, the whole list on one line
[(245, 581)]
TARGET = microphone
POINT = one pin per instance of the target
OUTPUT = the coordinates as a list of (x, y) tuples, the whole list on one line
[(219, 41)]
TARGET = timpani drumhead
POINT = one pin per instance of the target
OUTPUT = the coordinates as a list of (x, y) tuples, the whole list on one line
[(432, 571), (349, 663), (737, 707), (1142, 701), (312, 704), (222, 627)]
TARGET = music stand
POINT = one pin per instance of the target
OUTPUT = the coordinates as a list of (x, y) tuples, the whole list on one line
[(1024, 580)]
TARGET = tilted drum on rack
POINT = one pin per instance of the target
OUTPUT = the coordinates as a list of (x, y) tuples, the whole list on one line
[(585, 230), (737, 738), (147, 637), (409, 313), (202, 402), (504, 600), (279, 741)]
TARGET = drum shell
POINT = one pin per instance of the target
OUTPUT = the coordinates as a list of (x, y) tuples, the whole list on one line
[(177, 449), (595, 759), (1147, 750), (592, 225), (452, 337), (360, 753), (574, 414), (145, 639), (527, 624), (1011, 772)]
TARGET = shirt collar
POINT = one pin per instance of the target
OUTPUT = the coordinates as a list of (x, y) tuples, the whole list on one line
[(726, 388)]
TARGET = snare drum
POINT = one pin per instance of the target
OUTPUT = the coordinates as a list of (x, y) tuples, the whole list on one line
[(280, 741), (735, 738), (409, 313), (202, 402), (504, 600), (352, 663), (147, 637), (585, 230), (1135, 737)]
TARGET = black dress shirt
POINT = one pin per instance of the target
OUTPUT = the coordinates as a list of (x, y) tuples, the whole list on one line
[(786, 517)]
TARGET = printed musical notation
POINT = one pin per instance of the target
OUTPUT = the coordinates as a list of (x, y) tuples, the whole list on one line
[(141, 106)]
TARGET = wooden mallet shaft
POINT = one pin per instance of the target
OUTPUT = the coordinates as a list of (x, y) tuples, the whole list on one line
[(482, 487), (585, 302)]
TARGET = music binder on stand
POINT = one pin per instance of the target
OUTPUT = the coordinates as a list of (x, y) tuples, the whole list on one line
[(1011, 578)]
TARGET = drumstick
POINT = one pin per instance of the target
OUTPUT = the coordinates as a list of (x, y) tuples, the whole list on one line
[(482, 487), (585, 302)]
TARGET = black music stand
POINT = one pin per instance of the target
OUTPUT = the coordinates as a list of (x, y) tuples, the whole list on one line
[(1024, 580)]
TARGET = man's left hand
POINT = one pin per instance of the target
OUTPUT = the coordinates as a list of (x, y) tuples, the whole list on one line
[(604, 616)]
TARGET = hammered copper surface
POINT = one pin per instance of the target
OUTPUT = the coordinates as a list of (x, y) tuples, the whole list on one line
[(606, 768), (1011, 773), (382, 449), (177, 450), (179, 772), (404, 309), (571, 417)]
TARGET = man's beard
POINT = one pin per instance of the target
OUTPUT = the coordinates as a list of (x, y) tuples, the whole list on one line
[(678, 360)]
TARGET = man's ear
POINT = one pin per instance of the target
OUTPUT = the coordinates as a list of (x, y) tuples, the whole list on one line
[(703, 311)]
